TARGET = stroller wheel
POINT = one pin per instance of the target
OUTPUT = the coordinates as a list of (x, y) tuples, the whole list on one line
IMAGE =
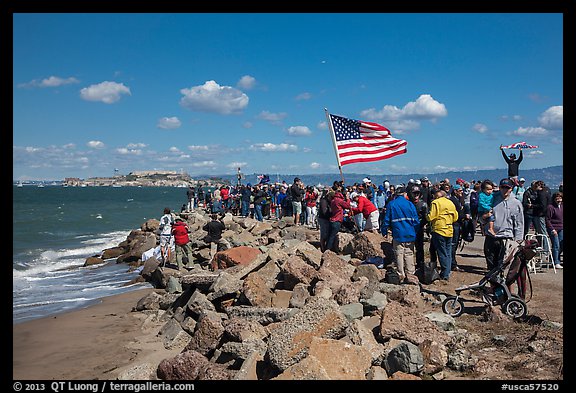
[(453, 306), (515, 307)]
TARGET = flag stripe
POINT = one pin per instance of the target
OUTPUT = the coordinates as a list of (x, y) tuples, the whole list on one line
[(361, 141), (352, 160)]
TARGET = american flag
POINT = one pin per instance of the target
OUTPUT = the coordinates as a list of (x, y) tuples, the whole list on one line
[(362, 141), (520, 145)]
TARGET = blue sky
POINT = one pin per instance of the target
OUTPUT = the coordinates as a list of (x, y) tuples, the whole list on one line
[(206, 93)]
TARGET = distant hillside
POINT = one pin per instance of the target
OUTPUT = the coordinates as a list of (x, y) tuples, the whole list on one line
[(552, 176)]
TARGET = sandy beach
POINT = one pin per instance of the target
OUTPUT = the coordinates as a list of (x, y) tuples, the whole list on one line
[(93, 343)]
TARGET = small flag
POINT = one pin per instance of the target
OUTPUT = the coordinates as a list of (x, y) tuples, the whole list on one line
[(264, 179), (362, 141), (520, 145)]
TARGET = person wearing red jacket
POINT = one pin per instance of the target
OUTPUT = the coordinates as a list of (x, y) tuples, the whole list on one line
[(225, 195), (337, 206), (182, 242), (368, 210)]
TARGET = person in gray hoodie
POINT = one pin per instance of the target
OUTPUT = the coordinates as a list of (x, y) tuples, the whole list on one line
[(508, 225)]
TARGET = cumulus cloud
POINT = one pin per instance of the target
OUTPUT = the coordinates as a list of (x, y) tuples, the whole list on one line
[(299, 131), (479, 127), (211, 97), (106, 92), (127, 151), (552, 118), (169, 123), (52, 81), (198, 148), (272, 117), (95, 144), (247, 82), (425, 107), (236, 165), (271, 147), (203, 164), (314, 165), (531, 131), (138, 145), (303, 96), (322, 125)]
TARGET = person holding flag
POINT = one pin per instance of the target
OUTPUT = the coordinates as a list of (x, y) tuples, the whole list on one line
[(512, 161)]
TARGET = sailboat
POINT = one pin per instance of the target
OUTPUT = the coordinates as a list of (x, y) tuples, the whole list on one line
[(20, 184)]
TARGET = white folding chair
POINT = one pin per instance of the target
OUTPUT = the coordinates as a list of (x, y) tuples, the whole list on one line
[(543, 255)]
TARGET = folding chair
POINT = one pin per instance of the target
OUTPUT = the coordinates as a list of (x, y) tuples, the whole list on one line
[(543, 255)]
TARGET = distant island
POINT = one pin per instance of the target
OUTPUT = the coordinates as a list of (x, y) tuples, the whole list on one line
[(552, 176)]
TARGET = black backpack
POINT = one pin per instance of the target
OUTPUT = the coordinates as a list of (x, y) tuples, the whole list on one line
[(427, 274), (468, 231), (392, 276)]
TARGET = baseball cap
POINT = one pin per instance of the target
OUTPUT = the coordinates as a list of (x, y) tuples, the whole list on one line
[(522, 179), (399, 190), (366, 180), (418, 181), (353, 195), (415, 189), (457, 187), (506, 183), (424, 179)]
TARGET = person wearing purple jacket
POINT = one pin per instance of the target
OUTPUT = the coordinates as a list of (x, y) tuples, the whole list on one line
[(555, 226)]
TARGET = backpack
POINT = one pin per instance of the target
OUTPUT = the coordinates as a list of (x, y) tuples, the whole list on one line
[(468, 231), (427, 274), (392, 276)]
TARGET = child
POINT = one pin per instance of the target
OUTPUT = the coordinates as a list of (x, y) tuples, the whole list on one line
[(485, 207)]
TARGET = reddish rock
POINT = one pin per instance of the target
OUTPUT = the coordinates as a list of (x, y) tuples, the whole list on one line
[(242, 255)]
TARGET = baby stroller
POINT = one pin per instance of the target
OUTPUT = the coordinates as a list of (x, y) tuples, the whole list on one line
[(496, 290)]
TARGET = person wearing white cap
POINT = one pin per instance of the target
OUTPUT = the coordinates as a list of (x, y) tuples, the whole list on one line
[(518, 190), (367, 210)]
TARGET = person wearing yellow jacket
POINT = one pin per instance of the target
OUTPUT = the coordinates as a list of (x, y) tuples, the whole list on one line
[(442, 215)]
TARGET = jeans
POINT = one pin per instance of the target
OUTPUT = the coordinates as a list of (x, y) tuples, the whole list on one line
[(557, 242), (245, 208), (495, 250), (443, 246), (334, 229), (258, 212)]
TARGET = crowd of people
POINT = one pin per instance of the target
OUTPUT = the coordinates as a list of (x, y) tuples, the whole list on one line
[(407, 214)]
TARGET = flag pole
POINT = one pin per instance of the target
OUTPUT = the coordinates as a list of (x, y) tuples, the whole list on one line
[(334, 143)]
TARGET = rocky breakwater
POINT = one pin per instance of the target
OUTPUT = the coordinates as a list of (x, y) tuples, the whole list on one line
[(273, 307)]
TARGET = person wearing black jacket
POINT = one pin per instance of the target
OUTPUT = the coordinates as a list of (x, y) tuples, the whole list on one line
[(214, 237), (324, 217), (297, 193), (532, 205), (513, 164), (457, 198)]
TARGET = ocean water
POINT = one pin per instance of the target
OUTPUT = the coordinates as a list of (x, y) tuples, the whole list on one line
[(56, 228)]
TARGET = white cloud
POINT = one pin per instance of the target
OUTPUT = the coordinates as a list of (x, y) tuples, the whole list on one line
[(272, 117), (127, 151), (516, 117), (299, 131), (211, 97), (174, 149), (530, 131), (303, 96), (273, 147), (106, 92), (169, 123), (247, 124), (95, 144), (198, 148), (479, 127), (236, 165), (425, 107), (322, 125), (247, 82), (52, 81), (314, 165), (69, 146), (552, 118), (203, 164), (136, 145)]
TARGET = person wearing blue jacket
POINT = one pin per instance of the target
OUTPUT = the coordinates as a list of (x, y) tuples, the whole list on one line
[(402, 219)]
